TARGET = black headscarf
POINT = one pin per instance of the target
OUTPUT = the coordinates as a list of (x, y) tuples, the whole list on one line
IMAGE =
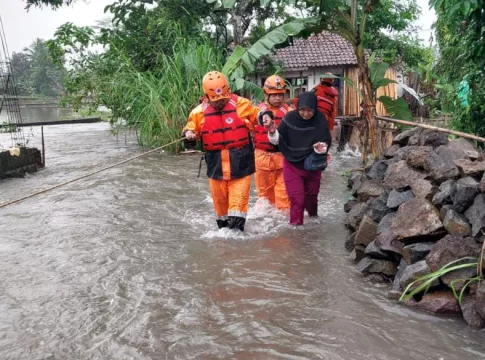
[(298, 135)]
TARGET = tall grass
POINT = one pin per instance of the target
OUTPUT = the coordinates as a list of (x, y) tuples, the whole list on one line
[(157, 103)]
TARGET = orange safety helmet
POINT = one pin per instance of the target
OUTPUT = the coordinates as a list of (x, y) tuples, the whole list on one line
[(274, 85), (328, 80), (216, 86)]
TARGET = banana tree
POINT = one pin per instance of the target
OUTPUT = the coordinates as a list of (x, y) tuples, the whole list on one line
[(243, 60)]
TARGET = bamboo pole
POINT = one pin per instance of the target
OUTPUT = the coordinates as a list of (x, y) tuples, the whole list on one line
[(435, 128)]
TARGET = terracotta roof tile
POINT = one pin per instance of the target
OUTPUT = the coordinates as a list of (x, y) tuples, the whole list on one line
[(324, 49)]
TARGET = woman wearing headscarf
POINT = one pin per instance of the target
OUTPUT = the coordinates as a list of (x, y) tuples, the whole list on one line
[(303, 138)]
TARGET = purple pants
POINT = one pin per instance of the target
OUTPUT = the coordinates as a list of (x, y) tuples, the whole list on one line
[(302, 187)]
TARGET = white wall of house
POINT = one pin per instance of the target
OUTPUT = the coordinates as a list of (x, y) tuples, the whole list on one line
[(304, 79)]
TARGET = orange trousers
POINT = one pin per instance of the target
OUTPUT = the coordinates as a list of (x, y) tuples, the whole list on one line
[(230, 197), (269, 178)]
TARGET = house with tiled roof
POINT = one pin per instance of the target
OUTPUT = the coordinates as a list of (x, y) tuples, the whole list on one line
[(306, 60)]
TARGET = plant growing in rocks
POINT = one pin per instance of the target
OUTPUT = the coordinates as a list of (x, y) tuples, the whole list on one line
[(417, 218)]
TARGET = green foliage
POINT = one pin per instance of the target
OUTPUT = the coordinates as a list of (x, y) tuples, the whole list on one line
[(389, 26), (54, 4), (156, 102), (35, 72), (243, 61), (397, 108), (460, 32)]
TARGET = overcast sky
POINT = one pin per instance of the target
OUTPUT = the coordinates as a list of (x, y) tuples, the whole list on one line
[(22, 27)]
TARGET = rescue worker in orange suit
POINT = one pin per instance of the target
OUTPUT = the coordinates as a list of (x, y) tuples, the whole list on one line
[(223, 123), (326, 91), (269, 161)]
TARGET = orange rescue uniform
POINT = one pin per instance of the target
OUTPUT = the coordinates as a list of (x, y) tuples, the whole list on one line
[(228, 154), (269, 162)]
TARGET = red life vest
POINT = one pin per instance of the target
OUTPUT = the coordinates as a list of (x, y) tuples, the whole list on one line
[(223, 129), (330, 94), (326, 91), (261, 140), (325, 106)]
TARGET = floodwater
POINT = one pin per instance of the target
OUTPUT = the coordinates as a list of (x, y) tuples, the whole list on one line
[(128, 264)]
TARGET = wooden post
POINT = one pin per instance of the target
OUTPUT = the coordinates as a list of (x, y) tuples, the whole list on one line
[(43, 146), (435, 128)]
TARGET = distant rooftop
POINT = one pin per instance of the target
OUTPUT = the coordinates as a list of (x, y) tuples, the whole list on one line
[(321, 50)]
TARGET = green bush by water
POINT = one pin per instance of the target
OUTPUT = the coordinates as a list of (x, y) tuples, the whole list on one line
[(158, 102)]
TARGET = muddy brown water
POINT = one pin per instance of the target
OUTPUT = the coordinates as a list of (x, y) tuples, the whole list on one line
[(127, 264)]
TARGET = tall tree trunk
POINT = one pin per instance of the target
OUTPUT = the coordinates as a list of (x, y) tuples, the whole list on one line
[(369, 122), (237, 22)]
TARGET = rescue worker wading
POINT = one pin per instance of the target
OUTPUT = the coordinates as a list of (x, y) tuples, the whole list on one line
[(223, 122), (330, 94), (269, 161)]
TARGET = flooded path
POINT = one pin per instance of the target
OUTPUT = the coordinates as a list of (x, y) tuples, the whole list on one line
[(127, 264)]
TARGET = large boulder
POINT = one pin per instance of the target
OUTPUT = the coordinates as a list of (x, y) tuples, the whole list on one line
[(482, 184), (385, 223), (433, 138), (464, 193), (397, 198), (480, 296), (423, 188), (440, 168), (373, 266), (443, 196), (399, 175), (463, 146), (417, 156), (369, 189), (414, 272), (454, 154), (449, 249), (378, 208), (416, 218), (377, 170), (366, 233), (438, 302), (414, 139), (354, 217), (402, 153), (357, 253), (417, 252), (390, 152), (470, 168), (349, 205), (444, 210), (350, 242), (476, 215), (456, 224), (396, 284), (387, 241), (471, 314), (373, 251), (355, 177), (402, 138)]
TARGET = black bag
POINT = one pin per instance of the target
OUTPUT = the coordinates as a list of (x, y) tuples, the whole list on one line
[(315, 162)]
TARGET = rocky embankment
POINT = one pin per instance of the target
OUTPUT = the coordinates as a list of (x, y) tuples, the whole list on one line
[(417, 209)]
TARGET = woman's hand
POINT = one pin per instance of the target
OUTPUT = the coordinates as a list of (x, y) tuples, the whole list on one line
[(269, 124), (190, 135), (320, 147)]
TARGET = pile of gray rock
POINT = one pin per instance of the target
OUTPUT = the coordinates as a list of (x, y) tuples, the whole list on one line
[(417, 209)]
